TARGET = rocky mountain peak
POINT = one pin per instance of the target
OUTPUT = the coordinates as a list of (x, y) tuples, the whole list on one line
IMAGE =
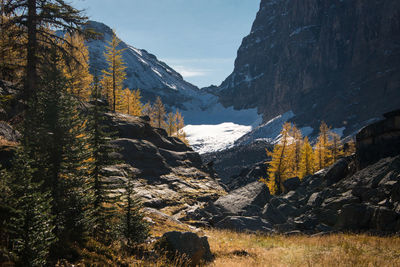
[(336, 61), (144, 71)]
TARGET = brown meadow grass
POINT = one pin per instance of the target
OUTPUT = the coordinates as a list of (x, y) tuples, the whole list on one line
[(300, 250)]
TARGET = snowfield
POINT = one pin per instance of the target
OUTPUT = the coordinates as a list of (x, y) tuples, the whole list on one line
[(211, 138)]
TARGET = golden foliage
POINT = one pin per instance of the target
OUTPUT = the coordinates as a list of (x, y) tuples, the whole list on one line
[(307, 159), (157, 114), (323, 154), (76, 69), (131, 104), (279, 165), (295, 157), (114, 76), (12, 58)]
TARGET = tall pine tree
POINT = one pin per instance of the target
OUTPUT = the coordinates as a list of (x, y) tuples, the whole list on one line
[(30, 223), (104, 201), (58, 143)]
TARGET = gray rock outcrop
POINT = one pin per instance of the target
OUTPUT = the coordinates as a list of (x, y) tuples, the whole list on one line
[(336, 61), (166, 174)]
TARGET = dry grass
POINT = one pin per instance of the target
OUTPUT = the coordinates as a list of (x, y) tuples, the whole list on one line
[(331, 250)]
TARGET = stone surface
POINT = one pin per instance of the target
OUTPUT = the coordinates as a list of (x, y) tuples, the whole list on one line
[(241, 164), (336, 61), (166, 174), (250, 197), (242, 223), (379, 140), (291, 184), (331, 200), (8, 133), (193, 248)]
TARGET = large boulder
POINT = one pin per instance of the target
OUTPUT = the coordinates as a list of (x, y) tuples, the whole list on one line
[(354, 217), (272, 215), (248, 200), (338, 170), (291, 184), (379, 140), (244, 224), (192, 248)]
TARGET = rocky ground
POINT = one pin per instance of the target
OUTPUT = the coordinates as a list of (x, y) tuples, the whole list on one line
[(232, 162), (351, 195), (334, 199), (357, 193), (167, 175)]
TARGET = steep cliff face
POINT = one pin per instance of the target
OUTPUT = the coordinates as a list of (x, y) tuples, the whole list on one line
[(337, 61)]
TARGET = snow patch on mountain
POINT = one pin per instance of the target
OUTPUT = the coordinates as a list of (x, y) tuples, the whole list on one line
[(144, 70), (268, 131), (211, 138)]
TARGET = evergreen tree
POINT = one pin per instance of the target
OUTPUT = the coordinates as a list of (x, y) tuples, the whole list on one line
[(114, 76), (279, 165), (158, 114), (32, 18), (133, 227), (104, 201), (58, 143), (6, 212), (30, 228), (307, 159)]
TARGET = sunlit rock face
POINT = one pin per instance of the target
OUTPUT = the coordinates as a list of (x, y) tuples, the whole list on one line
[(337, 61)]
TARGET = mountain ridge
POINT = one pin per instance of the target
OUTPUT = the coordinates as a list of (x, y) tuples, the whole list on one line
[(336, 61)]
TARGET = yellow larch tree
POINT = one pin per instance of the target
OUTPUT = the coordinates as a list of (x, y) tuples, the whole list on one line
[(12, 58), (147, 110), (323, 155), (336, 147), (76, 67), (171, 124), (180, 124), (126, 101), (295, 145), (350, 148), (158, 114), (136, 104), (307, 159), (279, 165), (114, 76)]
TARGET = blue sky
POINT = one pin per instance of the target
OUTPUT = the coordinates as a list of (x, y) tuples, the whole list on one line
[(198, 38)]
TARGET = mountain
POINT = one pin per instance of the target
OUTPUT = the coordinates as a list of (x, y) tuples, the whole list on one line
[(155, 78), (337, 61), (143, 69)]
